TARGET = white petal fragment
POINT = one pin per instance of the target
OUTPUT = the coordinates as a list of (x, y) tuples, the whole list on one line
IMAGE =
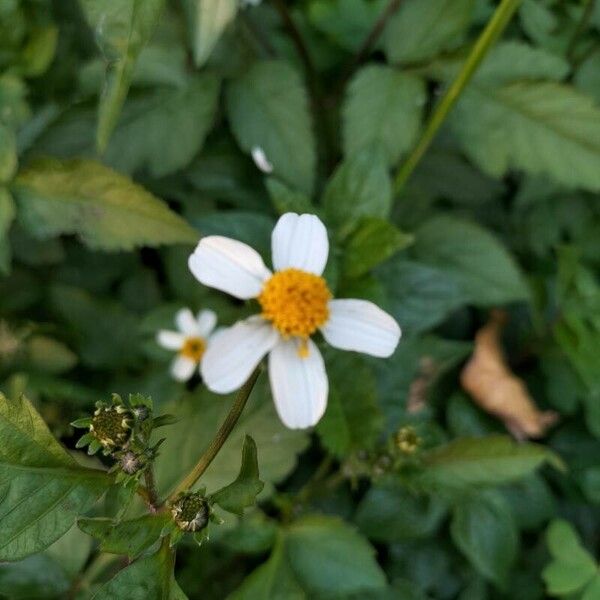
[(182, 368), (300, 241), (186, 322), (233, 353), (361, 326), (299, 384), (207, 320), (171, 340), (228, 265), (260, 160)]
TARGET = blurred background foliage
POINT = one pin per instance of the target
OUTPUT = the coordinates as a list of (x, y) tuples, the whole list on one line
[(125, 134)]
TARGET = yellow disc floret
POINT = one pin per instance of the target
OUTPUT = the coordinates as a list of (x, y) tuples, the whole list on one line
[(193, 348), (296, 302)]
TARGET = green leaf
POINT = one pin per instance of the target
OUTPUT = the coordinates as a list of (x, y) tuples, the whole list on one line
[(345, 22), (389, 513), (50, 355), (121, 32), (480, 265), (8, 154), (106, 210), (353, 419), (540, 127), (572, 566), (273, 580), (243, 491), (164, 130), (207, 20), (483, 529), (330, 557), (359, 187), (285, 199), (148, 578), (372, 242), (37, 576), (419, 296), (129, 537), (478, 461), (382, 106), (201, 415), (268, 108), (42, 489), (423, 28)]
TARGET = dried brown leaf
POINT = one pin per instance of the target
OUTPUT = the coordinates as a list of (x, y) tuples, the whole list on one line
[(497, 390)]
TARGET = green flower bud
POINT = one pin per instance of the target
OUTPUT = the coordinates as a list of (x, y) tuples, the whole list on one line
[(407, 441), (111, 426), (191, 512)]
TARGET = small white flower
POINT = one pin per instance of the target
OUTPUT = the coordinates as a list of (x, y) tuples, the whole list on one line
[(260, 160), (190, 341), (295, 303)]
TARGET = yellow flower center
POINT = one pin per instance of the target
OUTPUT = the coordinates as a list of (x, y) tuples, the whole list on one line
[(193, 348), (296, 302)]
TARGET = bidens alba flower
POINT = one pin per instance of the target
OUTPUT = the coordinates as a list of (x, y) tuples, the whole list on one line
[(295, 303), (190, 341)]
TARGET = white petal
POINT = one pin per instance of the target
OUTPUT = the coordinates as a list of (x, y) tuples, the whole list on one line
[(260, 160), (233, 353), (229, 266), (182, 368), (362, 326), (186, 322), (171, 340), (299, 384), (207, 319), (300, 241)]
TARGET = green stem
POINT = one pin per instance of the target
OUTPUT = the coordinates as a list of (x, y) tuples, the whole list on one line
[(493, 30), (150, 482), (220, 438)]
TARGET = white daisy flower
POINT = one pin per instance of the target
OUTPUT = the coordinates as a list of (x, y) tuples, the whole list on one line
[(295, 303), (190, 341), (260, 160)]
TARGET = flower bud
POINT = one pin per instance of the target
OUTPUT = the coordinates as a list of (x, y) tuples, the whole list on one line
[(111, 426), (191, 512), (131, 463), (406, 440)]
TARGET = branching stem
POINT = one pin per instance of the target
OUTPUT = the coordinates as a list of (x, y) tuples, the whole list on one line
[(220, 438), (493, 30)]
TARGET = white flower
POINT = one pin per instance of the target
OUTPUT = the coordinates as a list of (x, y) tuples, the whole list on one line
[(260, 160), (190, 341), (295, 303)]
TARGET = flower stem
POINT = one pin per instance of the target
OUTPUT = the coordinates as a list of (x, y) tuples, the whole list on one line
[(220, 438), (150, 482), (493, 30)]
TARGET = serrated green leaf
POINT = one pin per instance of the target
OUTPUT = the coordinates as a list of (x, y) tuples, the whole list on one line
[(382, 106), (419, 296), (353, 419), (105, 209), (329, 557), (484, 270), (129, 537), (539, 127), (148, 578), (389, 513), (423, 28), (164, 129), (273, 580), (372, 242), (483, 529), (121, 31), (42, 489), (207, 20), (359, 187), (268, 108), (37, 576), (478, 461), (242, 492)]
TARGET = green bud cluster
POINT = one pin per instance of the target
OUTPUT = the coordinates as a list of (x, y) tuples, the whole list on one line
[(191, 511)]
